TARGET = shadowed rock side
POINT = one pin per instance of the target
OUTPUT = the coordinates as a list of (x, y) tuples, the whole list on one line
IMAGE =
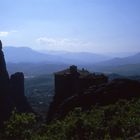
[(91, 93), (71, 82), (6, 104), (11, 91), (105, 94), (17, 90)]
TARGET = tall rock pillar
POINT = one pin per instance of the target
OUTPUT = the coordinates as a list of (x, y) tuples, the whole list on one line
[(4, 77), (6, 104), (17, 91)]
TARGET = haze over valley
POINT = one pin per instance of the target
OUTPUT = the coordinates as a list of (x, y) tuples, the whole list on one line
[(33, 62)]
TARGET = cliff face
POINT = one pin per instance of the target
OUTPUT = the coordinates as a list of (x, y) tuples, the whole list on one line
[(17, 91), (6, 105), (88, 90), (11, 91), (101, 95), (71, 82)]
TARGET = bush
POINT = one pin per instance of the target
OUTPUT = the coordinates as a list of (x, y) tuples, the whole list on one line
[(112, 122), (20, 126)]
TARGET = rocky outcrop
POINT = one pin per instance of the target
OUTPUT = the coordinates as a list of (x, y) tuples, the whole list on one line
[(6, 104), (11, 91), (96, 93), (17, 91), (71, 82), (101, 95)]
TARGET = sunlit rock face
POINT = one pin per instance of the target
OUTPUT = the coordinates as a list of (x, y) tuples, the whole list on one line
[(11, 91)]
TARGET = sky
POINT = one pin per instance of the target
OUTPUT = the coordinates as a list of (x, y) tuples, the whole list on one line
[(97, 26)]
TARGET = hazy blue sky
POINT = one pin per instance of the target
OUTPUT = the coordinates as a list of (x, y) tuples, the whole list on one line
[(75, 25)]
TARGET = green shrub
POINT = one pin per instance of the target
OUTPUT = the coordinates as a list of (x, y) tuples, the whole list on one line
[(20, 126), (112, 122), (119, 121)]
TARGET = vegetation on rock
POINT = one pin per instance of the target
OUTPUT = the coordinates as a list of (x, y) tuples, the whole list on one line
[(118, 121)]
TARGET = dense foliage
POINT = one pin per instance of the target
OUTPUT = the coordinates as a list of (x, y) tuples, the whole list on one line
[(120, 121), (19, 126)]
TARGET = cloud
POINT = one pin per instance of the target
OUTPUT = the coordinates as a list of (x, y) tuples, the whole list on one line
[(6, 33), (62, 43)]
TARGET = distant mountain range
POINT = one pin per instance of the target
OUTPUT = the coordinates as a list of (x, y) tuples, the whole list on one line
[(81, 57), (134, 59), (32, 62), (25, 54), (125, 70)]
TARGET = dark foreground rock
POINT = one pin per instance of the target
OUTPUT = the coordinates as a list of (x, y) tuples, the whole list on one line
[(102, 93), (11, 91), (72, 82)]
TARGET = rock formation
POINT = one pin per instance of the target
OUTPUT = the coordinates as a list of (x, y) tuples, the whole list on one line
[(5, 103), (11, 91), (83, 89), (101, 95), (17, 90), (71, 82)]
